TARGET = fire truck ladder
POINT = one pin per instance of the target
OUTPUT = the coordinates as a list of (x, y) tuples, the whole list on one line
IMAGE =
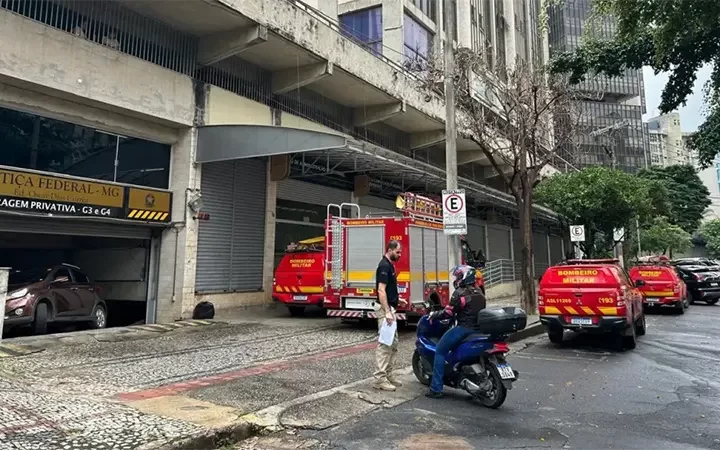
[(334, 240), (420, 207)]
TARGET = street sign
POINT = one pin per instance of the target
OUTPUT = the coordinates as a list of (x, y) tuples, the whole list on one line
[(454, 212), (577, 233), (619, 234)]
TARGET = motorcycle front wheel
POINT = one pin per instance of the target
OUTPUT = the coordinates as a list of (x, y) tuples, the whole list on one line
[(417, 365), (494, 398)]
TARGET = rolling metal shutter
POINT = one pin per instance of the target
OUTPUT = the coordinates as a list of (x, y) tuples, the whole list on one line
[(556, 253), (498, 242), (476, 235), (304, 192), (72, 227), (231, 244)]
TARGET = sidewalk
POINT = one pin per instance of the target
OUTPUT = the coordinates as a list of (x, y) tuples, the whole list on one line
[(187, 388)]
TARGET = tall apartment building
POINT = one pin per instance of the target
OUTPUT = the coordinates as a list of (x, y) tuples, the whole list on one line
[(667, 142), (611, 102)]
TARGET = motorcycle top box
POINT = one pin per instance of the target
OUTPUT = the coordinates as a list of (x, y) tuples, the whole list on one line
[(496, 322)]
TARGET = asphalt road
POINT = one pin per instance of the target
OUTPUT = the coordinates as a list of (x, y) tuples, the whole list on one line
[(665, 394)]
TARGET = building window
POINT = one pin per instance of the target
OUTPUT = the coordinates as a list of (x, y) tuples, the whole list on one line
[(33, 142), (417, 43), (427, 7), (365, 27)]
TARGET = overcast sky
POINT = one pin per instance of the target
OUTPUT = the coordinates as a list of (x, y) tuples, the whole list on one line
[(692, 114)]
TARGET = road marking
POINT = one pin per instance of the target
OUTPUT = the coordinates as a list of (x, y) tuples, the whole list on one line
[(262, 369)]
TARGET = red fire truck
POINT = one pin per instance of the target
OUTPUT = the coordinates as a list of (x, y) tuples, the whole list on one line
[(354, 246)]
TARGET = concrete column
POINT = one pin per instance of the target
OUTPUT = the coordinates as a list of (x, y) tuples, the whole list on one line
[(392, 17), (464, 24), (269, 248), (178, 246)]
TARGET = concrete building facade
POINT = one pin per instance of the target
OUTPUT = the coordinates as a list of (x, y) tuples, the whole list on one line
[(244, 119), (668, 143)]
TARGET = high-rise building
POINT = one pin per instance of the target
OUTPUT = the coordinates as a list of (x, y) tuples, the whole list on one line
[(668, 143), (614, 106)]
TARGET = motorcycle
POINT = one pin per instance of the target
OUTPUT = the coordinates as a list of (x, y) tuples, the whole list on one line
[(478, 364)]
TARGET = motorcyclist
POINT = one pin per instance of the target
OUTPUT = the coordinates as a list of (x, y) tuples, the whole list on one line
[(466, 301)]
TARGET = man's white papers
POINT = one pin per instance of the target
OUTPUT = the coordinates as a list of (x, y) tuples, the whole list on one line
[(387, 333)]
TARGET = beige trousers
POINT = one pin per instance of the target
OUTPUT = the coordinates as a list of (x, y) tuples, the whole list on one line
[(384, 354)]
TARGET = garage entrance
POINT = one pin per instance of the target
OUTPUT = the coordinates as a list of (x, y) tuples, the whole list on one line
[(119, 259)]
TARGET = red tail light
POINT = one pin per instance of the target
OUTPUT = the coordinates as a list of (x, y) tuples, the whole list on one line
[(499, 348)]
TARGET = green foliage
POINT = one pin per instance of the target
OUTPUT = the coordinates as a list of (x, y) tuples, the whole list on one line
[(687, 195), (675, 36), (710, 232), (665, 238), (602, 199)]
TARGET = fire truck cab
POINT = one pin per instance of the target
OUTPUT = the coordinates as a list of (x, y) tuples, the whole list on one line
[(355, 245)]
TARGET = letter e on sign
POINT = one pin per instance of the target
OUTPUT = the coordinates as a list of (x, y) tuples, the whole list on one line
[(454, 212), (577, 233)]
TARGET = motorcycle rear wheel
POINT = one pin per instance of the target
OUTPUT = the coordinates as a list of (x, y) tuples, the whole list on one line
[(497, 396), (417, 365)]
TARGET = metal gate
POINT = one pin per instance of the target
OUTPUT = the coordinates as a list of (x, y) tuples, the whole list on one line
[(231, 244), (70, 227)]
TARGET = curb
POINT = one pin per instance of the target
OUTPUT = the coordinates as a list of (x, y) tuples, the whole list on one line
[(25, 345), (533, 329), (208, 439)]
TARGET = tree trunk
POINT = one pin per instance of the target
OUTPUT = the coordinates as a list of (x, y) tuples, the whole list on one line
[(527, 290)]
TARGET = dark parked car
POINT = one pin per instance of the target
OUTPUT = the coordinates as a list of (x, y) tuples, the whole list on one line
[(703, 282), (695, 262), (37, 297)]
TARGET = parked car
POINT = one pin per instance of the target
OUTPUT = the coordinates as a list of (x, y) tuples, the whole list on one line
[(41, 296), (695, 262), (702, 281), (594, 296), (663, 285)]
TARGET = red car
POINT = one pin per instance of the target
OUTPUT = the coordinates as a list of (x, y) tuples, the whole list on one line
[(663, 286), (61, 294), (594, 296)]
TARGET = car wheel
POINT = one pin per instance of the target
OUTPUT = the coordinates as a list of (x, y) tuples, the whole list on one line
[(680, 307), (99, 319), (39, 325), (629, 341), (556, 336), (641, 326), (713, 301)]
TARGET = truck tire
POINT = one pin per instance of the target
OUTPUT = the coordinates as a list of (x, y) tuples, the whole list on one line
[(39, 325)]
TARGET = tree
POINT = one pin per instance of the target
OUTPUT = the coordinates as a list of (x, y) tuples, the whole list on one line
[(676, 36), (687, 195), (603, 200), (665, 238), (710, 233), (512, 123)]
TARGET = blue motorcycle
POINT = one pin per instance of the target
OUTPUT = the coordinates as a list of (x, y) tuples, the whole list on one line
[(478, 364)]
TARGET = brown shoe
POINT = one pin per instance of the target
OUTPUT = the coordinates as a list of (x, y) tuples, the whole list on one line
[(384, 385), (394, 382)]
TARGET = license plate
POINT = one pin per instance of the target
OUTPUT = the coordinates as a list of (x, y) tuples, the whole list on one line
[(300, 298), (359, 303), (506, 372), (402, 290), (580, 321), (653, 300), (715, 284)]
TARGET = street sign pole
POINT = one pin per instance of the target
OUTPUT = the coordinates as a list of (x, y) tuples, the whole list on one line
[(4, 272), (454, 222), (577, 234)]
